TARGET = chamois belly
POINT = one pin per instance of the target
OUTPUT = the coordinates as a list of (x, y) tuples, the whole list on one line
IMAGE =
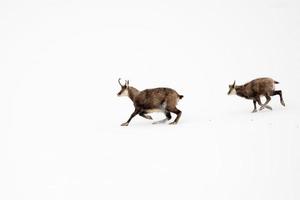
[(161, 108), (153, 110)]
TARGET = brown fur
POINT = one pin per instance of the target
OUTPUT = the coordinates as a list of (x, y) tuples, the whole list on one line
[(256, 88), (151, 100)]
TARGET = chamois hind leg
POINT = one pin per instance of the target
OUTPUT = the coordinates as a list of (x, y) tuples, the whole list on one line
[(279, 92), (177, 112), (136, 111), (259, 103), (168, 117), (266, 103), (143, 114)]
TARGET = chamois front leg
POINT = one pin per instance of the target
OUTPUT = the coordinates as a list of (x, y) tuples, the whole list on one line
[(265, 104), (136, 111), (259, 103), (254, 110)]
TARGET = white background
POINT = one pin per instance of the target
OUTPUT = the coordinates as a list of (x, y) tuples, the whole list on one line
[(60, 116)]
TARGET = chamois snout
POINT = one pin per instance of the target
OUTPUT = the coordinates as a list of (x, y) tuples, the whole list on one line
[(123, 92)]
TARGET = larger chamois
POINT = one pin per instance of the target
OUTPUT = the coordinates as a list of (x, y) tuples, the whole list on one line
[(152, 100), (255, 89)]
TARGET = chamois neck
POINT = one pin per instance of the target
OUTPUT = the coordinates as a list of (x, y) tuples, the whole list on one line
[(133, 92), (240, 91)]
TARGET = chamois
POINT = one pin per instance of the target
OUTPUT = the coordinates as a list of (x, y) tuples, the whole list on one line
[(256, 88), (152, 100)]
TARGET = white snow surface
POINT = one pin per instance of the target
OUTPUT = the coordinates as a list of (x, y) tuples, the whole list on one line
[(60, 116)]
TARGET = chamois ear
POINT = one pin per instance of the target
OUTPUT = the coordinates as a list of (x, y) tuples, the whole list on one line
[(233, 85), (127, 83)]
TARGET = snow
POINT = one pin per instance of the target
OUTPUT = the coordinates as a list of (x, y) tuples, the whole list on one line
[(60, 115)]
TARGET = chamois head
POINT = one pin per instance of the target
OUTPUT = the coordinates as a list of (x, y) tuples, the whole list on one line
[(124, 88), (232, 89)]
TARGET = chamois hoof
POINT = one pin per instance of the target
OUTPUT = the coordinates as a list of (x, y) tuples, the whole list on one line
[(282, 103), (254, 111), (173, 123), (269, 107), (261, 108), (148, 117), (125, 124)]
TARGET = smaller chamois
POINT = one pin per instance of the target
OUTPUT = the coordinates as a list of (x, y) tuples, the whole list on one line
[(255, 89), (152, 100)]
